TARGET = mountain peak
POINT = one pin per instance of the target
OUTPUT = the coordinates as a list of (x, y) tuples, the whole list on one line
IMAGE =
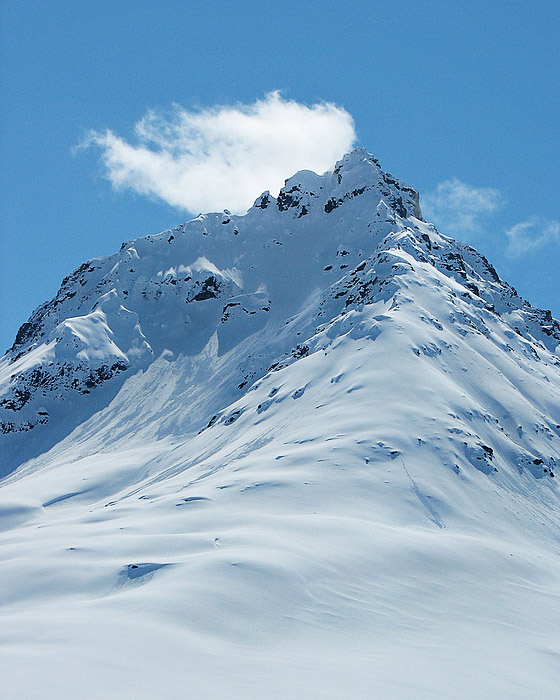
[(318, 250), (357, 173), (357, 157), (320, 435)]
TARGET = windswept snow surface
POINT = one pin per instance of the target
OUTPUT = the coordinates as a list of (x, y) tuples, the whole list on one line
[(309, 452)]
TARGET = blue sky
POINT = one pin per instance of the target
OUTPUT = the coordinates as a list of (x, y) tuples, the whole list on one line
[(461, 101)]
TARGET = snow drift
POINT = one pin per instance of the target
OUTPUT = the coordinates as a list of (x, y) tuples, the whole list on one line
[(310, 451)]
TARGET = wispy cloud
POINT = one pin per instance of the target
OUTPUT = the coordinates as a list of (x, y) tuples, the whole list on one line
[(531, 235), (464, 211), (225, 156), (461, 209)]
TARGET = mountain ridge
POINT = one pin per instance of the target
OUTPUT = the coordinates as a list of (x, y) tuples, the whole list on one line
[(90, 349), (328, 461)]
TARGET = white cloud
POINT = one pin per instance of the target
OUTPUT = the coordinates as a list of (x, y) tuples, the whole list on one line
[(463, 211), (530, 235), (460, 209), (224, 157)]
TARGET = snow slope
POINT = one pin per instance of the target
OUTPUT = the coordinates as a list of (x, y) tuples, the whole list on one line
[(305, 452)]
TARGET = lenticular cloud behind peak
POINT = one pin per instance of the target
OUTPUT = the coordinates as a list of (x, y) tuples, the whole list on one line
[(223, 157)]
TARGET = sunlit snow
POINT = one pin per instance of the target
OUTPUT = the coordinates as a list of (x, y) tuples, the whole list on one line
[(308, 452)]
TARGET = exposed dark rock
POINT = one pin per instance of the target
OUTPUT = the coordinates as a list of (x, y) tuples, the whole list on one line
[(263, 202), (209, 290), (288, 199)]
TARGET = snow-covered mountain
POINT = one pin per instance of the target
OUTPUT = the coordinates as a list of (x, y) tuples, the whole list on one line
[(305, 452)]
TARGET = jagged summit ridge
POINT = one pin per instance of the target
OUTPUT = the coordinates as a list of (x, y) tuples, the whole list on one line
[(328, 244), (357, 173)]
